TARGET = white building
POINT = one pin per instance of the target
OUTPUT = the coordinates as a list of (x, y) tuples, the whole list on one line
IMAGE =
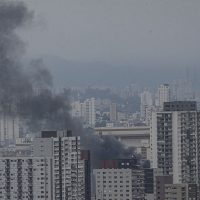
[(175, 143), (86, 111), (163, 94), (9, 129), (90, 112), (68, 168), (118, 184), (56, 169), (146, 102), (25, 178)]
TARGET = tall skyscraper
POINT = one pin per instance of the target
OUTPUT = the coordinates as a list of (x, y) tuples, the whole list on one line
[(163, 94), (174, 138)]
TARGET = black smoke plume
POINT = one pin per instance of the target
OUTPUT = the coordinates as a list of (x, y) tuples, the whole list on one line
[(27, 91)]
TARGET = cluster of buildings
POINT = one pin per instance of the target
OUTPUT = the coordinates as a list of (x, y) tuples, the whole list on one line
[(172, 141), (54, 166), (131, 106), (85, 111)]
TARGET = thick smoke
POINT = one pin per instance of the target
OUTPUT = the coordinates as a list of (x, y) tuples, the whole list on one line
[(27, 91)]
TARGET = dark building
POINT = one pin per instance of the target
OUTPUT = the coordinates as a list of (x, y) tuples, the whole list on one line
[(180, 106), (149, 181), (193, 191), (160, 182), (85, 155)]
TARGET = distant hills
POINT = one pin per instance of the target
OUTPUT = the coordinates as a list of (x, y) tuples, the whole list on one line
[(71, 73)]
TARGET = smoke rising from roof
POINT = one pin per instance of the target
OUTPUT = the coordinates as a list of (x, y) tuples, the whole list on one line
[(27, 91)]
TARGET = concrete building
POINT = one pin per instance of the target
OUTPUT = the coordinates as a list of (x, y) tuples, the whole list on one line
[(9, 129), (163, 94), (55, 169), (68, 167), (113, 112), (25, 178), (86, 111), (77, 109), (159, 189), (149, 183), (175, 143), (181, 192), (90, 112), (119, 179), (180, 106), (85, 156), (138, 137), (146, 103)]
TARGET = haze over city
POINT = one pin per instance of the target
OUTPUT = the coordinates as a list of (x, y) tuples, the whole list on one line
[(99, 100), (146, 41)]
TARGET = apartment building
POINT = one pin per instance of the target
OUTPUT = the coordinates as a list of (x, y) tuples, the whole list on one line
[(181, 191), (25, 178), (119, 180), (9, 129), (86, 111), (174, 142), (163, 94), (68, 168)]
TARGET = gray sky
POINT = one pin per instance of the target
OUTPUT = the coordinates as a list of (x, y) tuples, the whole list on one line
[(146, 32)]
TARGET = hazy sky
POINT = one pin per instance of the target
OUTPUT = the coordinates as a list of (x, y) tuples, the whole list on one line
[(148, 32)]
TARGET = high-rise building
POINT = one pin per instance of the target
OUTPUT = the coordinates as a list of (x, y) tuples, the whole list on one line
[(174, 142), (146, 103), (85, 156), (90, 112), (86, 111), (9, 129), (163, 94), (160, 182), (113, 112), (67, 168), (26, 178), (57, 169)]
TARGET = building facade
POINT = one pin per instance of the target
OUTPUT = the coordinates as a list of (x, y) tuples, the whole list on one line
[(120, 179), (175, 143), (119, 184), (25, 178), (113, 112), (68, 167), (163, 94), (9, 129), (181, 191), (86, 111), (146, 103)]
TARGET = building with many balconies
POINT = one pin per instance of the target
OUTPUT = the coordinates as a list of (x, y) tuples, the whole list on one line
[(174, 142)]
